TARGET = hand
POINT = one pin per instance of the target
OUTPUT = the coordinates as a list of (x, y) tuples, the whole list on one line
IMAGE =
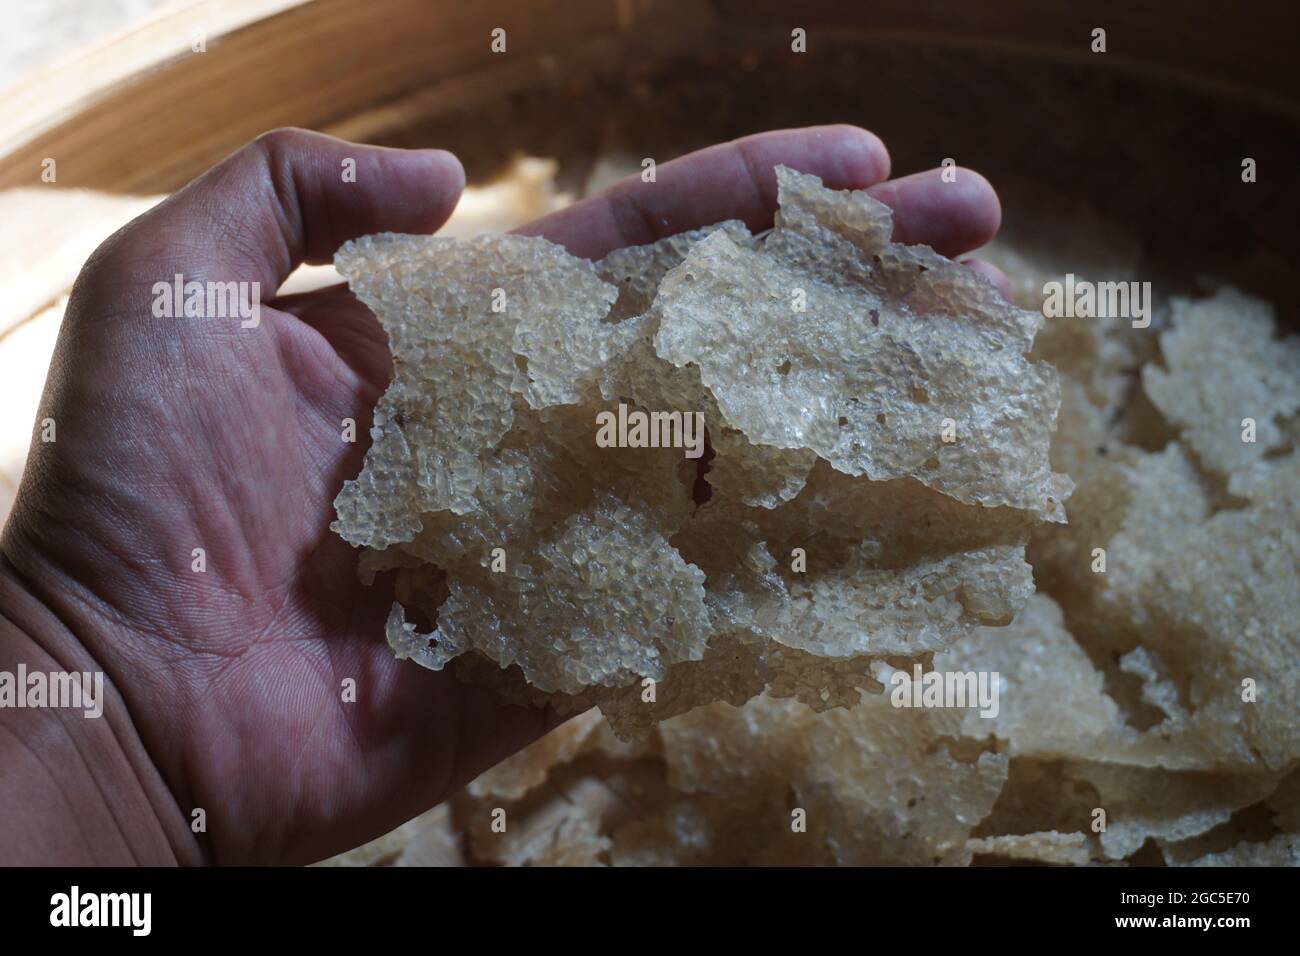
[(182, 433)]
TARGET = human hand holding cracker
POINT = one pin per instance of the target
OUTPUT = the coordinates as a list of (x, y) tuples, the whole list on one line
[(179, 437)]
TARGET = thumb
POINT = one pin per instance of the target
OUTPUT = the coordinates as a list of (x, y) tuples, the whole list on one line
[(288, 197)]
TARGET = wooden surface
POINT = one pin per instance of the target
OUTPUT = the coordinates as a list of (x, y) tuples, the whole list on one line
[(142, 114), (148, 115)]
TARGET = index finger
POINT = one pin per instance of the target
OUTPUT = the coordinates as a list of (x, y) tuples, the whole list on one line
[(734, 180)]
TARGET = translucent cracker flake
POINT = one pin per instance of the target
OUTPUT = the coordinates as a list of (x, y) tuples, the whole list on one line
[(603, 601), (470, 323), (1208, 594), (1282, 850), (1143, 803), (875, 784), (890, 427), (1044, 847), (830, 338), (1225, 369)]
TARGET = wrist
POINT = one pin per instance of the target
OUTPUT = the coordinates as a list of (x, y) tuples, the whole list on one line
[(78, 786)]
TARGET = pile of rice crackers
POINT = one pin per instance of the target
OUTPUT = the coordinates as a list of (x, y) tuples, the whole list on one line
[(903, 473)]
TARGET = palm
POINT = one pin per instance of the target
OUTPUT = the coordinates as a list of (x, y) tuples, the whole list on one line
[(185, 434), (308, 624)]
